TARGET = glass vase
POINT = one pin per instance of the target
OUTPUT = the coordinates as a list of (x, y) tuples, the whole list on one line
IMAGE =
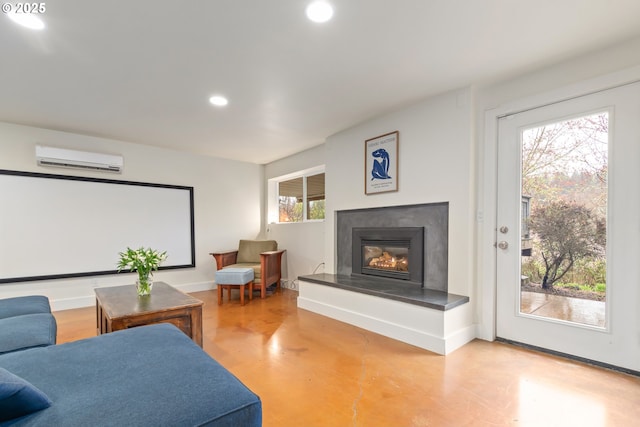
[(144, 285)]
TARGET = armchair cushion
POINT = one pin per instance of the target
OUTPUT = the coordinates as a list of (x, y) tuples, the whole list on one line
[(249, 250), (257, 271)]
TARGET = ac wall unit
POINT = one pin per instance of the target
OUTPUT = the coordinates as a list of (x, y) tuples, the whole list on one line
[(64, 158)]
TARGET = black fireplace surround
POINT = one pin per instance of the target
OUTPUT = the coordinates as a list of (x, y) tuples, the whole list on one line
[(433, 219), (393, 253)]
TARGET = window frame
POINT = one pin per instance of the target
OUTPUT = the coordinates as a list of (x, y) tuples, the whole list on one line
[(274, 195)]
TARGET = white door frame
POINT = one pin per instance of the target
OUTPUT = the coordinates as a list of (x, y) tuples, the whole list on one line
[(487, 196)]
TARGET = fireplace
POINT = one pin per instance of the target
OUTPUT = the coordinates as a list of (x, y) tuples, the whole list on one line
[(413, 306), (431, 218), (395, 253)]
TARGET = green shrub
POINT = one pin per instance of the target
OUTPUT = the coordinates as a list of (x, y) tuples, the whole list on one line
[(588, 271), (532, 269)]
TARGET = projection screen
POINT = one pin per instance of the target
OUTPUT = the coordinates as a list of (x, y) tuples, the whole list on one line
[(59, 226)]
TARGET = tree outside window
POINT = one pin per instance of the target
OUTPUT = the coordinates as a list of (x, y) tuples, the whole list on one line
[(564, 178), (301, 198)]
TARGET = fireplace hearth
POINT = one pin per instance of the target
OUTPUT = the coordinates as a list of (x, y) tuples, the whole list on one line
[(427, 316), (395, 253)]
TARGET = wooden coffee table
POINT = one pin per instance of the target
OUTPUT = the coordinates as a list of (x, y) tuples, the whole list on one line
[(119, 307)]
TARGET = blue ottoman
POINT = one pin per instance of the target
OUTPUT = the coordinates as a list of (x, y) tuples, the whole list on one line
[(228, 278)]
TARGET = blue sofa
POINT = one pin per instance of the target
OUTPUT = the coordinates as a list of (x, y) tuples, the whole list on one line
[(145, 376), (26, 322)]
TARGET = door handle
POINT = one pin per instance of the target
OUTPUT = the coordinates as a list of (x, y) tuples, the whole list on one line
[(503, 245)]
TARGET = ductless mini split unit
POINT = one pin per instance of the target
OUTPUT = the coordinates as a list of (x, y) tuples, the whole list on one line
[(64, 158)]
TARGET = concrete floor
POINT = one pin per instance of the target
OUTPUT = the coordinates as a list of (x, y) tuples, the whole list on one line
[(310, 370), (575, 310)]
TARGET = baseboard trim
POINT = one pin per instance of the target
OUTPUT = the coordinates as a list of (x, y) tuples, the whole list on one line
[(459, 338), (196, 287), (90, 300), (383, 327), (61, 304)]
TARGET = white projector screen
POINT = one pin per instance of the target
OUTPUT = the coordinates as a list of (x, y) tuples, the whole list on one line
[(58, 226)]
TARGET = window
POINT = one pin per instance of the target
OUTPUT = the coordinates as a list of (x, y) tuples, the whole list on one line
[(315, 196), (290, 197), (301, 198)]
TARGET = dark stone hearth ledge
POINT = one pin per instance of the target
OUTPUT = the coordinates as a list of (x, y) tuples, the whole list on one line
[(410, 294)]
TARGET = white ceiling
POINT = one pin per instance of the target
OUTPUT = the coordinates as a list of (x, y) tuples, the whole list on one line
[(143, 71)]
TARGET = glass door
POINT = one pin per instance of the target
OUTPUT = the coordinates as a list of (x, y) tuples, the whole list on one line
[(565, 265)]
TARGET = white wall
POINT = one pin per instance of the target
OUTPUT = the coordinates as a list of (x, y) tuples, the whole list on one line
[(223, 215), (304, 241), (564, 74), (435, 164)]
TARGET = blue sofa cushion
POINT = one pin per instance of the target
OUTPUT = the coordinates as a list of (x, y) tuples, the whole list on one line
[(145, 376), (18, 397), (34, 304), (27, 331)]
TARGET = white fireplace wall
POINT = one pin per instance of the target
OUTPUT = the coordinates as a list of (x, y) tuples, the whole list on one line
[(436, 164)]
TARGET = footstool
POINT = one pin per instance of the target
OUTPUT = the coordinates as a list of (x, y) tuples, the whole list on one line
[(228, 278)]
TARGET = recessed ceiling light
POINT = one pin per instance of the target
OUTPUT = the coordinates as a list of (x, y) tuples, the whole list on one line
[(29, 20), (218, 101), (319, 11)]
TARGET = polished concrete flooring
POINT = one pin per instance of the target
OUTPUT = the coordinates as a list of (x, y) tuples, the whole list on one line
[(310, 370), (575, 310)]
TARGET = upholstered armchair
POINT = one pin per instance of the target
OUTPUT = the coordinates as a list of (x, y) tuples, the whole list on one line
[(262, 256)]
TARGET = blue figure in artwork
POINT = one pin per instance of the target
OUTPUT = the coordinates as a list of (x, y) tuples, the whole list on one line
[(380, 167)]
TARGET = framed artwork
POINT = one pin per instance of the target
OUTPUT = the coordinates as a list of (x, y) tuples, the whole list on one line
[(381, 163)]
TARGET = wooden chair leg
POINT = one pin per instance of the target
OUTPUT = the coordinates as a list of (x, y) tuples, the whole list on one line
[(219, 294), (250, 290), (241, 294)]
